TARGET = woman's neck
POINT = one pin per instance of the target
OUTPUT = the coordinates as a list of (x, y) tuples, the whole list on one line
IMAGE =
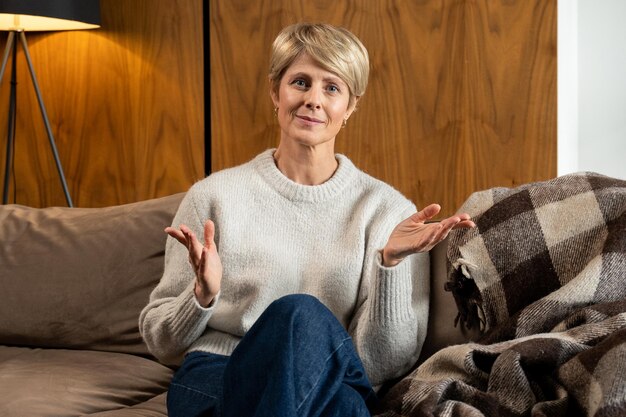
[(306, 165)]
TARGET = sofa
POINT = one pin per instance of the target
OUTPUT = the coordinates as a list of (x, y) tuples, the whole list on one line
[(74, 281)]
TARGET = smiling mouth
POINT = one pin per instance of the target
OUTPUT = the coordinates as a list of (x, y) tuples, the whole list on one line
[(309, 119)]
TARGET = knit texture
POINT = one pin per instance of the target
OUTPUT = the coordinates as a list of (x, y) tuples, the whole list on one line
[(276, 237)]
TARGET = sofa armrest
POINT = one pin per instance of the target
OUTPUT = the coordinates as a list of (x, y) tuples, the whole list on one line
[(443, 310)]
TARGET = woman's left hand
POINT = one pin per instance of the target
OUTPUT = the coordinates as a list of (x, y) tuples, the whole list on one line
[(414, 235)]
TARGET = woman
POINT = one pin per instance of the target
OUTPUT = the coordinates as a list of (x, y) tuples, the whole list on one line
[(302, 290)]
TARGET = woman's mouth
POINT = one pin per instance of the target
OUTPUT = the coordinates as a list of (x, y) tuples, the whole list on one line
[(309, 120)]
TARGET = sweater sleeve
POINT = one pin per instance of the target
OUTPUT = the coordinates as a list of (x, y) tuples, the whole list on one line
[(173, 319), (390, 324)]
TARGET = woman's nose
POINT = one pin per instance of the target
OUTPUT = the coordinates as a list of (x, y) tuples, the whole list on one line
[(313, 99)]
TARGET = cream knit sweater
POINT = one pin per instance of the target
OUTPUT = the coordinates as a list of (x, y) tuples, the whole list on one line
[(275, 238)]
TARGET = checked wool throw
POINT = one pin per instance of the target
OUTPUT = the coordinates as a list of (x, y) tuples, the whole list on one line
[(540, 249), (543, 275)]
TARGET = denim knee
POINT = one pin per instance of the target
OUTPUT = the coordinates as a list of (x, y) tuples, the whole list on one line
[(305, 316), (297, 303)]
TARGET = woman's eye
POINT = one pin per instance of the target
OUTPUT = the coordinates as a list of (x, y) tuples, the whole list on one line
[(299, 83), (333, 88)]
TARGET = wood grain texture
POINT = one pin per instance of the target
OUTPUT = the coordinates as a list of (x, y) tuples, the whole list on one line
[(126, 105), (462, 93)]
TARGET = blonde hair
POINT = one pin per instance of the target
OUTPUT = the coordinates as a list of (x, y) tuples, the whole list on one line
[(334, 48)]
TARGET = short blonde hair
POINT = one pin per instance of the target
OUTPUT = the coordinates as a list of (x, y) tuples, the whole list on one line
[(334, 48)]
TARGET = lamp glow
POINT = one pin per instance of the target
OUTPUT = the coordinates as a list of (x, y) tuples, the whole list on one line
[(29, 23), (49, 15)]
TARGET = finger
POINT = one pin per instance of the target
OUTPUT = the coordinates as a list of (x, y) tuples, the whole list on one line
[(188, 236), (203, 268), (462, 221), (427, 213), (465, 224), (464, 216), (193, 244), (466, 221), (176, 234), (209, 233)]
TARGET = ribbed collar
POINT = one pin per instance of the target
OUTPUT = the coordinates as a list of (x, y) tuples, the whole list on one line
[(266, 166)]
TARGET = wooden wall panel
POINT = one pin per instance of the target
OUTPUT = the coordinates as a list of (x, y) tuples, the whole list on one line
[(462, 93), (126, 104)]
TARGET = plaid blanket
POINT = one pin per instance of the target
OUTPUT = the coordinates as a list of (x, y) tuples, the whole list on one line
[(544, 276)]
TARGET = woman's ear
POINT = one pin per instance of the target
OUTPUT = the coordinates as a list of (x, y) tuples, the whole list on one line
[(352, 106), (274, 93)]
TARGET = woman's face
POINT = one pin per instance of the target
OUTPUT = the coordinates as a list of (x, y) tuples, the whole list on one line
[(312, 103)]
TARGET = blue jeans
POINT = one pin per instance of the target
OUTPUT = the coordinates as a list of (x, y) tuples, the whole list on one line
[(296, 360)]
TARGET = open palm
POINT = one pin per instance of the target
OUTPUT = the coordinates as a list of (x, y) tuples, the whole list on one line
[(204, 260), (414, 235)]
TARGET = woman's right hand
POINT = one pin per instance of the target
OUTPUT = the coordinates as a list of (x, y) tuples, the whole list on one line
[(204, 260)]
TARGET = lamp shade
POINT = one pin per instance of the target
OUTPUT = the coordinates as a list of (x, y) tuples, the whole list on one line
[(43, 15)]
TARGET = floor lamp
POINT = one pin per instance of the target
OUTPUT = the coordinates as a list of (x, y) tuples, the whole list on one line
[(18, 17)]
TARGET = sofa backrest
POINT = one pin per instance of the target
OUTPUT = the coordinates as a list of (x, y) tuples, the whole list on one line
[(78, 277)]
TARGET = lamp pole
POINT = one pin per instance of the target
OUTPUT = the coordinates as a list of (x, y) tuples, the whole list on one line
[(11, 43), (11, 46), (18, 16)]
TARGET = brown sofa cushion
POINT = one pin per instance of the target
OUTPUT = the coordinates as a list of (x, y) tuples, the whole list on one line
[(78, 277), (60, 382), (154, 407)]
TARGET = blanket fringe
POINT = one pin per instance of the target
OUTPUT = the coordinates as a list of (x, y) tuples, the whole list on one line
[(468, 300)]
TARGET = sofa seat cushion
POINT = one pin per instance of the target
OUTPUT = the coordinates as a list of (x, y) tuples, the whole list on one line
[(154, 407), (60, 382)]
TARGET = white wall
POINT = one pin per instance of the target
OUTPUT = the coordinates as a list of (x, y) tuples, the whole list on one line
[(602, 86), (592, 132), (567, 87)]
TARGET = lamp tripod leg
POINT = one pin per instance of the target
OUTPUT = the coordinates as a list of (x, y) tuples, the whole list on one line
[(44, 114), (7, 50), (11, 45)]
